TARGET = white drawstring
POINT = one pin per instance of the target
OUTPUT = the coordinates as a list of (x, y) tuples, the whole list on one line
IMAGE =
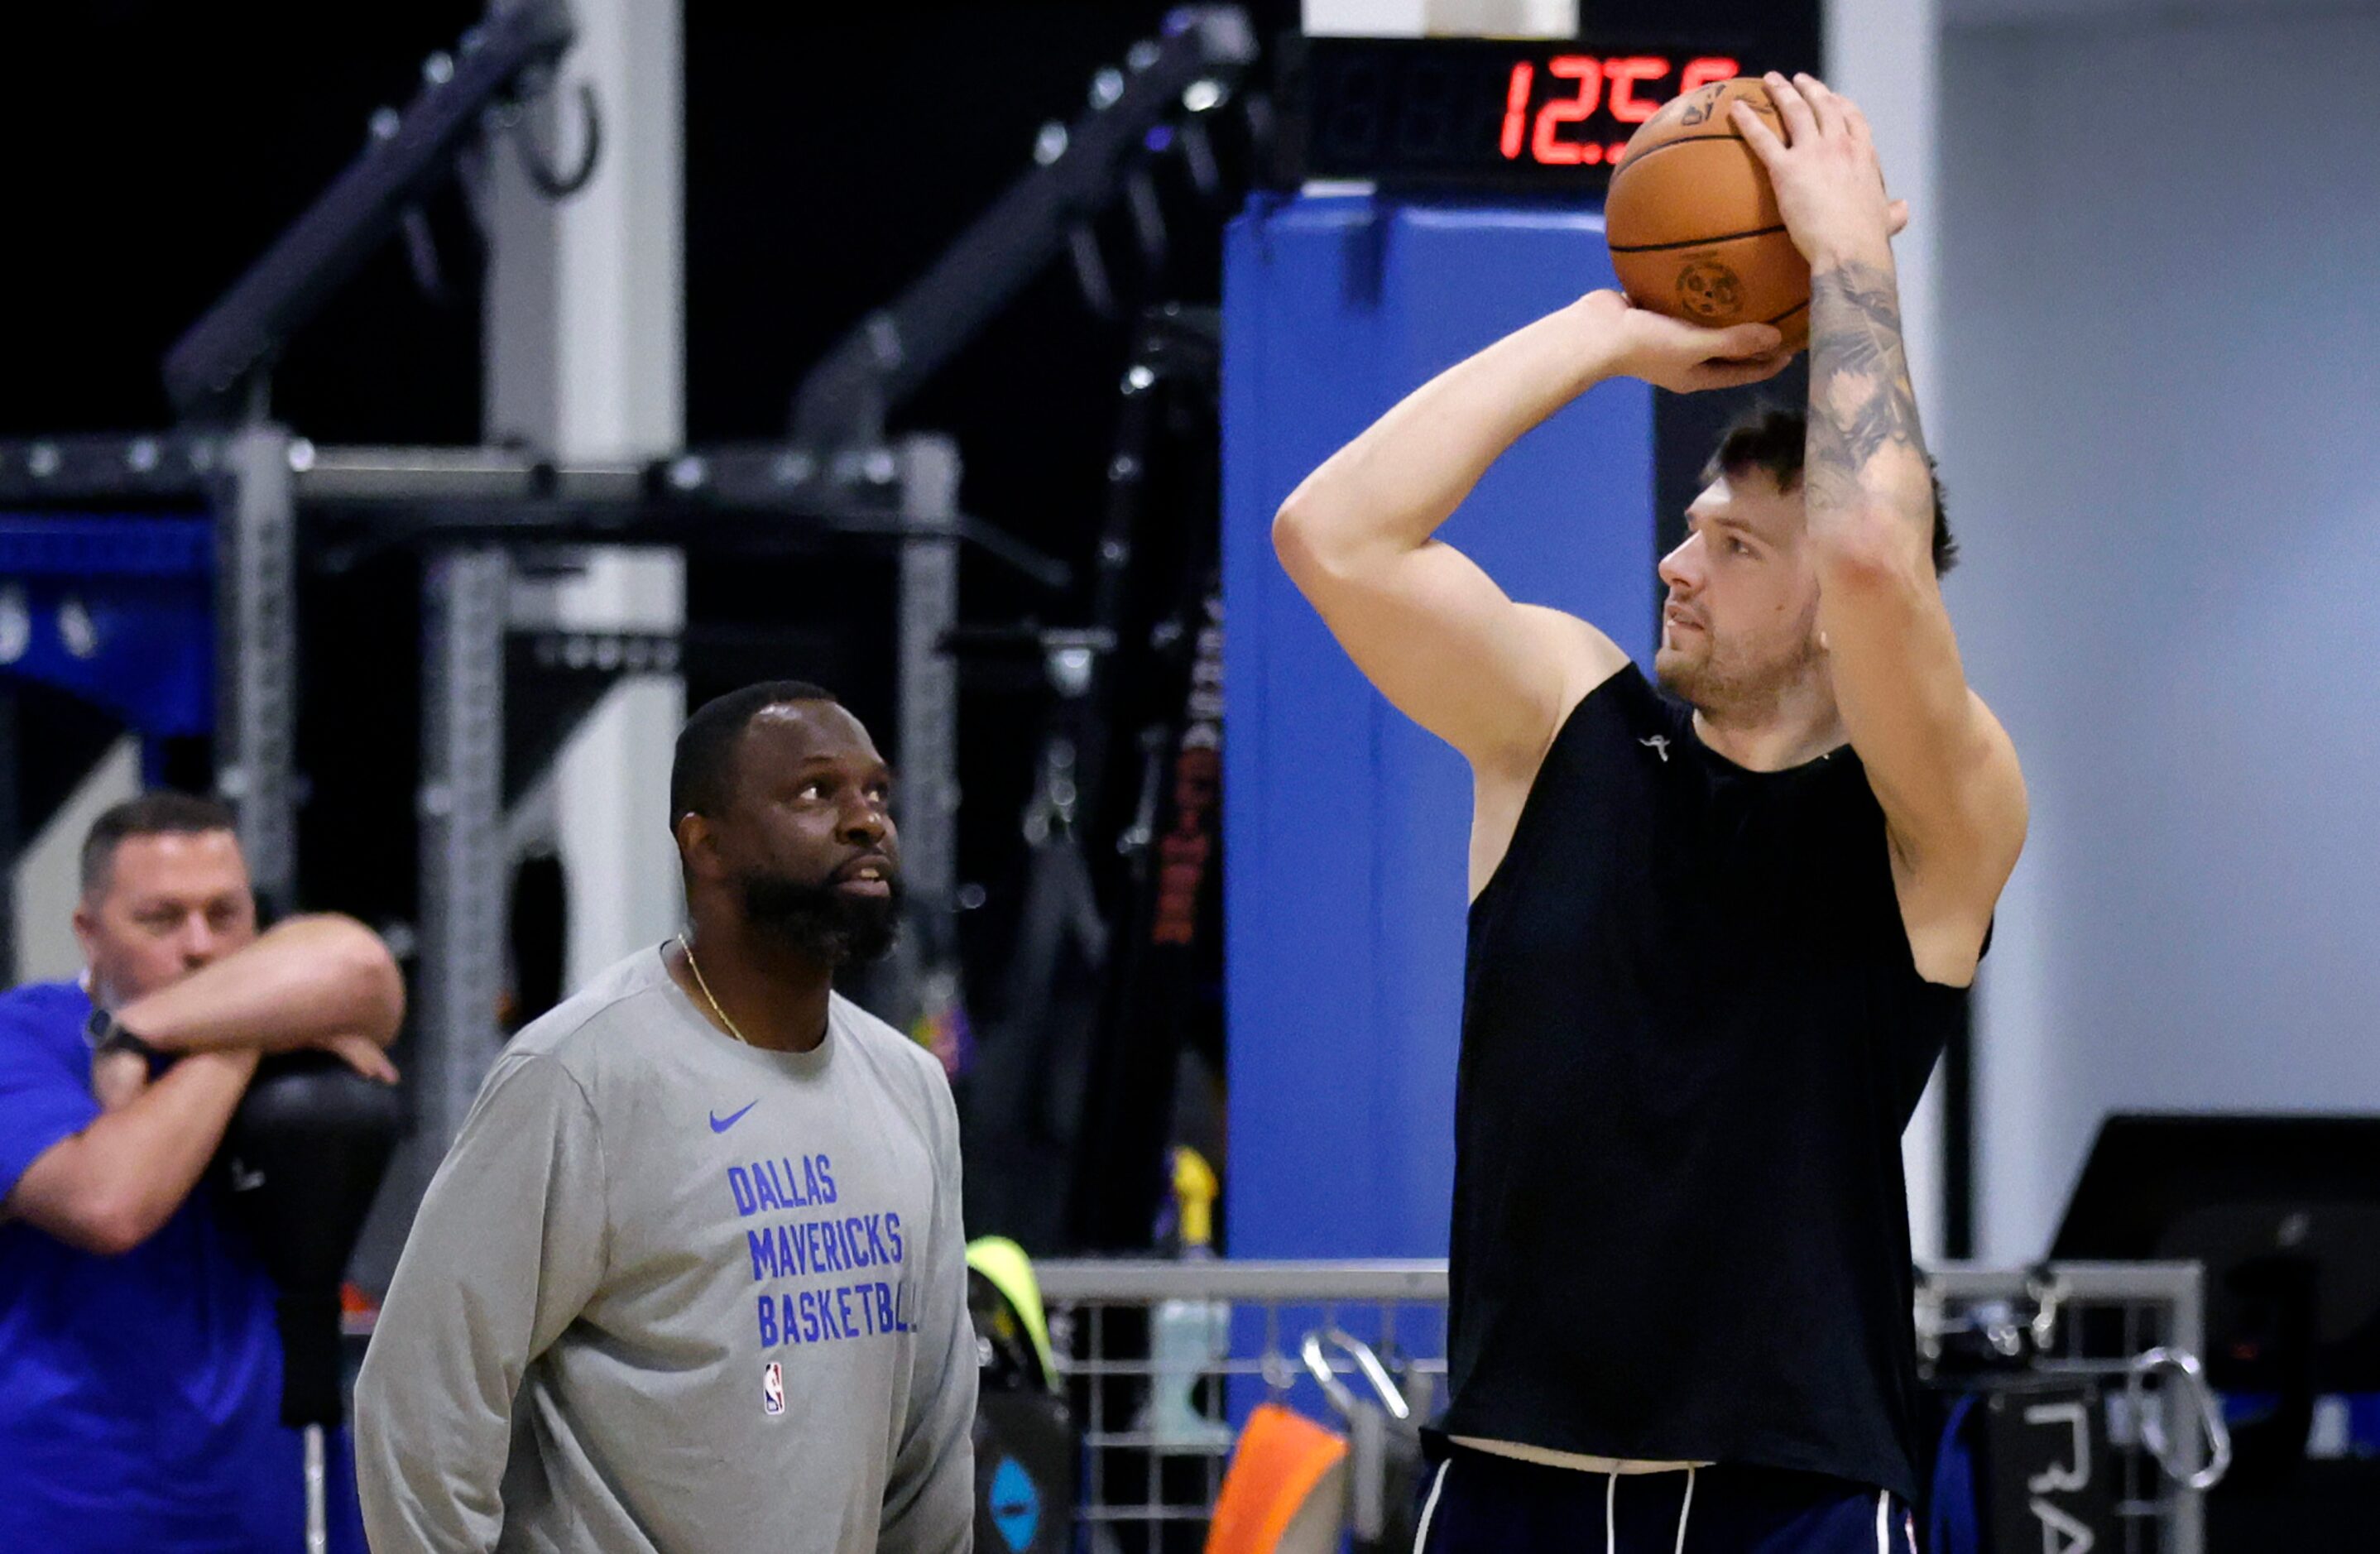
[(1429, 1506), (1884, 1522), (1611, 1514), (1683, 1509)]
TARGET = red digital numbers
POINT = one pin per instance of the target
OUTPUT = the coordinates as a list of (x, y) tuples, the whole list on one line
[(1544, 145), (1626, 106), (1701, 72), (1516, 108), (1613, 83)]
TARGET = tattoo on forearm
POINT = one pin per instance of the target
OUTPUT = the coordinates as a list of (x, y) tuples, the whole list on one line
[(1863, 430)]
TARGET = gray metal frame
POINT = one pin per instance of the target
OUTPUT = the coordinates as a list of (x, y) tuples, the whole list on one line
[(928, 711), (2162, 1303), (1079, 169), (463, 869), (256, 651), (274, 494)]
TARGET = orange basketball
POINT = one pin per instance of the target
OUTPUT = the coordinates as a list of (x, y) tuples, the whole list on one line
[(1693, 223)]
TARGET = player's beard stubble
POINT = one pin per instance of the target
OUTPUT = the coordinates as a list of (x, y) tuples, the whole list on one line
[(1727, 681)]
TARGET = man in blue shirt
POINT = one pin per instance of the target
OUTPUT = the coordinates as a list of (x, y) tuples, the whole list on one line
[(139, 1365)]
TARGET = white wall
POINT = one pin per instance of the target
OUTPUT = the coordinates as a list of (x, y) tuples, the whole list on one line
[(2161, 332), (1385, 18), (1886, 55), (586, 360)]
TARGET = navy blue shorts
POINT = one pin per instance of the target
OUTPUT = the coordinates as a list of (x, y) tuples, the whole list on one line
[(1479, 1503)]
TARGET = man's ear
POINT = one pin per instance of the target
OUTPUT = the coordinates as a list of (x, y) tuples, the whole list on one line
[(697, 845), (86, 929)]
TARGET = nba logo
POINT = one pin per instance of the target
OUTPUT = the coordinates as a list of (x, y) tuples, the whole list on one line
[(772, 1389)]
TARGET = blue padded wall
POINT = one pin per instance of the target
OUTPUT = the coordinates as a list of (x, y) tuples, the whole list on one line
[(1344, 824)]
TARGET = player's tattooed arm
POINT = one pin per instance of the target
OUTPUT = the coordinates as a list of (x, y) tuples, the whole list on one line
[(1865, 470), (1941, 766), (1866, 449)]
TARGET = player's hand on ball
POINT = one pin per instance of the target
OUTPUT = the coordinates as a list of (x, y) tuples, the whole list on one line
[(1685, 357), (1830, 185)]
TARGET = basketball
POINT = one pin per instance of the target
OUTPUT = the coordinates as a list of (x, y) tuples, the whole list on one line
[(1693, 223)]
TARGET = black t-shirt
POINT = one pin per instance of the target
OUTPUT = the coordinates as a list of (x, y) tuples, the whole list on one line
[(1693, 1032)]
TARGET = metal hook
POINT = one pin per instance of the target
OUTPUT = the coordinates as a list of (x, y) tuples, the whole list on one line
[(1932, 1319), (2184, 1364), (539, 168), (1318, 1365), (2048, 1293)]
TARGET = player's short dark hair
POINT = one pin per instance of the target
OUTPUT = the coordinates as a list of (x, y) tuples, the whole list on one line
[(702, 775), (163, 813), (1771, 439)]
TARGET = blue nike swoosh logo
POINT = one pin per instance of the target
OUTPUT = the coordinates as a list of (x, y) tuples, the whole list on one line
[(718, 1126)]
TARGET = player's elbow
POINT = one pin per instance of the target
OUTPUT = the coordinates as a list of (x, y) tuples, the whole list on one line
[(1294, 540), (1313, 556), (110, 1225), (1870, 548), (370, 983)]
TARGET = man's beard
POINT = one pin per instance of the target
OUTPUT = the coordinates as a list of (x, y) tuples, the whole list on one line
[(822, 921), (1720, 685), (1705, 683)]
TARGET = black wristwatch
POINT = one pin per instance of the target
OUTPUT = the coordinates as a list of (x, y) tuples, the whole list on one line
[(107, 1034)]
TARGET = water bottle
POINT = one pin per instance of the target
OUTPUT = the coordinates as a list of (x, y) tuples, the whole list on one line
[(1188, 1337)]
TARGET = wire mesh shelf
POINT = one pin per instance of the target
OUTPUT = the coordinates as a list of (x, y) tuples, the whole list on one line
[(1157, 1412)]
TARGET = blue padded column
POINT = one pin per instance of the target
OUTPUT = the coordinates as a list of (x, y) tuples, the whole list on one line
[(1345, 825)]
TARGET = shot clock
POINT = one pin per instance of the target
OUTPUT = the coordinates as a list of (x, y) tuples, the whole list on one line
[(1535, 115)]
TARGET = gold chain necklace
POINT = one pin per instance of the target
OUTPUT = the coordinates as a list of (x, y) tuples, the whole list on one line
[(694, 966)]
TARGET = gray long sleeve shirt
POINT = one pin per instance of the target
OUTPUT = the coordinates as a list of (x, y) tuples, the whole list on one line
[(672, 1292)]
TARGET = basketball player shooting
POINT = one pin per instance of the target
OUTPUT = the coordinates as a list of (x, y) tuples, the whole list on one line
[(1716, 939)]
